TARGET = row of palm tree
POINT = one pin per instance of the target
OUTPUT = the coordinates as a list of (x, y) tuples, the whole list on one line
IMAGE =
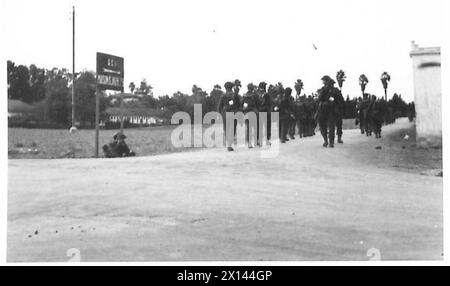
[(363, 81), (385, 79)]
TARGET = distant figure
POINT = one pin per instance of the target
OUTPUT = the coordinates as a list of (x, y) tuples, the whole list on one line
[(284, 111), (378, 110), (118, 148), (229, 102), (265, 105), (302, 117), (360, 115), (292, 122), (250, 103), (340, 112), (366, 121)]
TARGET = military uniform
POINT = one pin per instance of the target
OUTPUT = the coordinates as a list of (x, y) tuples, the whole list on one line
[(360, 115), (228, 102), (265, 105), (311, 108), (284, 113), (365, 108), (378, 110), (340, 112), (326, 113), (250, 103), (291, 120), (302, 117), (117, 148)]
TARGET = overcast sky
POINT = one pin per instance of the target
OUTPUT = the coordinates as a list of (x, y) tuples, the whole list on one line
[(175, 44)]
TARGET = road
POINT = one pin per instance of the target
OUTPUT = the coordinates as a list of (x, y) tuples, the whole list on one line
[(308, 203)]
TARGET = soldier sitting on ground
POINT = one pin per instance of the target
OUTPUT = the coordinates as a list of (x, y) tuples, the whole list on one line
[(118, 148)]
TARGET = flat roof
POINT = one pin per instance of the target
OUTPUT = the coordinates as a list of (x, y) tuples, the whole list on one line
[(426, 51)]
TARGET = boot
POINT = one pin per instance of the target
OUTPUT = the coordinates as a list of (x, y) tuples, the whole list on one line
[(331, 143), (325, 141), (340, 139)]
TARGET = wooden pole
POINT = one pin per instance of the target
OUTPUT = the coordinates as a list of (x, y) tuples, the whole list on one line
[(73, 66), (97, 118), (121, 111)]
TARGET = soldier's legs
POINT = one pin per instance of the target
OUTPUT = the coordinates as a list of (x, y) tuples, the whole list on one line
[(284, 125), (370, 126), (324, 130), (378, 125), (339, 130), (292, 123), (331, 131), (301, 128), (229, 134), (228, 138), (361, 122), (247, 133), (313, 127)]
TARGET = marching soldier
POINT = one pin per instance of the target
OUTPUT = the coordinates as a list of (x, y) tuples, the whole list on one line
[(377, 112), (250, 103), (265, 106), (302, 117), (326, 112), (365, 106), (285, 112), (360, 115), (291, 120), (340, 112), (229, 102), (311, 122)]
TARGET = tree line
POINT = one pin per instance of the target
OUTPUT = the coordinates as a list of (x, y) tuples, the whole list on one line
[(49, 93)]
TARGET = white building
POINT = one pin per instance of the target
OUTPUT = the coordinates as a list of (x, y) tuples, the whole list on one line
[(427, 95)]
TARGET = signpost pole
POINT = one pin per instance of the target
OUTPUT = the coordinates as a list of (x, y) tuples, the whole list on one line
[(97, 118), (121, 111), (73, 66)]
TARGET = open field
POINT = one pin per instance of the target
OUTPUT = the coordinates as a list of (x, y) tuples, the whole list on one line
[(47, 143), (308, 203)]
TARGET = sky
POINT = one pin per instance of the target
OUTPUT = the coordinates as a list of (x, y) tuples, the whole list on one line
[(174, 44)]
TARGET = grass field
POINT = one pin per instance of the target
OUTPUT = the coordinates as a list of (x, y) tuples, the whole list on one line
[(46, 143), (62, 144)]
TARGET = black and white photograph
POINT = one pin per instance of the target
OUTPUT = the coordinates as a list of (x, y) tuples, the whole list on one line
[(213, 131)]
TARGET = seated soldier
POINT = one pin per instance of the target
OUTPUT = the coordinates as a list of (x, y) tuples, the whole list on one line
[(118, 148)]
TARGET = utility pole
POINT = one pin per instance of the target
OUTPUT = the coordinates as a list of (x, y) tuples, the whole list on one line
[(73, 66)]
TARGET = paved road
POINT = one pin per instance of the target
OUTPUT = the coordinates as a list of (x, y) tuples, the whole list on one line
[(308, 203)]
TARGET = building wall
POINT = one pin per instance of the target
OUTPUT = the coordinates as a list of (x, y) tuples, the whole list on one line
[(427, 97)]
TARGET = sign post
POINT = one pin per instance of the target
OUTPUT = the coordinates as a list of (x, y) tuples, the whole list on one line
[(110, 74)]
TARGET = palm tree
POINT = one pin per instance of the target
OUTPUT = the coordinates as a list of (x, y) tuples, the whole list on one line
[(132, 86), (341, 77), (363, 81), (298, 85), (385, 79)]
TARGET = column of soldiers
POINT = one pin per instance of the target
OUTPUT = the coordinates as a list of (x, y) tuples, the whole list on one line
[(371, 113), (302, 113)]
